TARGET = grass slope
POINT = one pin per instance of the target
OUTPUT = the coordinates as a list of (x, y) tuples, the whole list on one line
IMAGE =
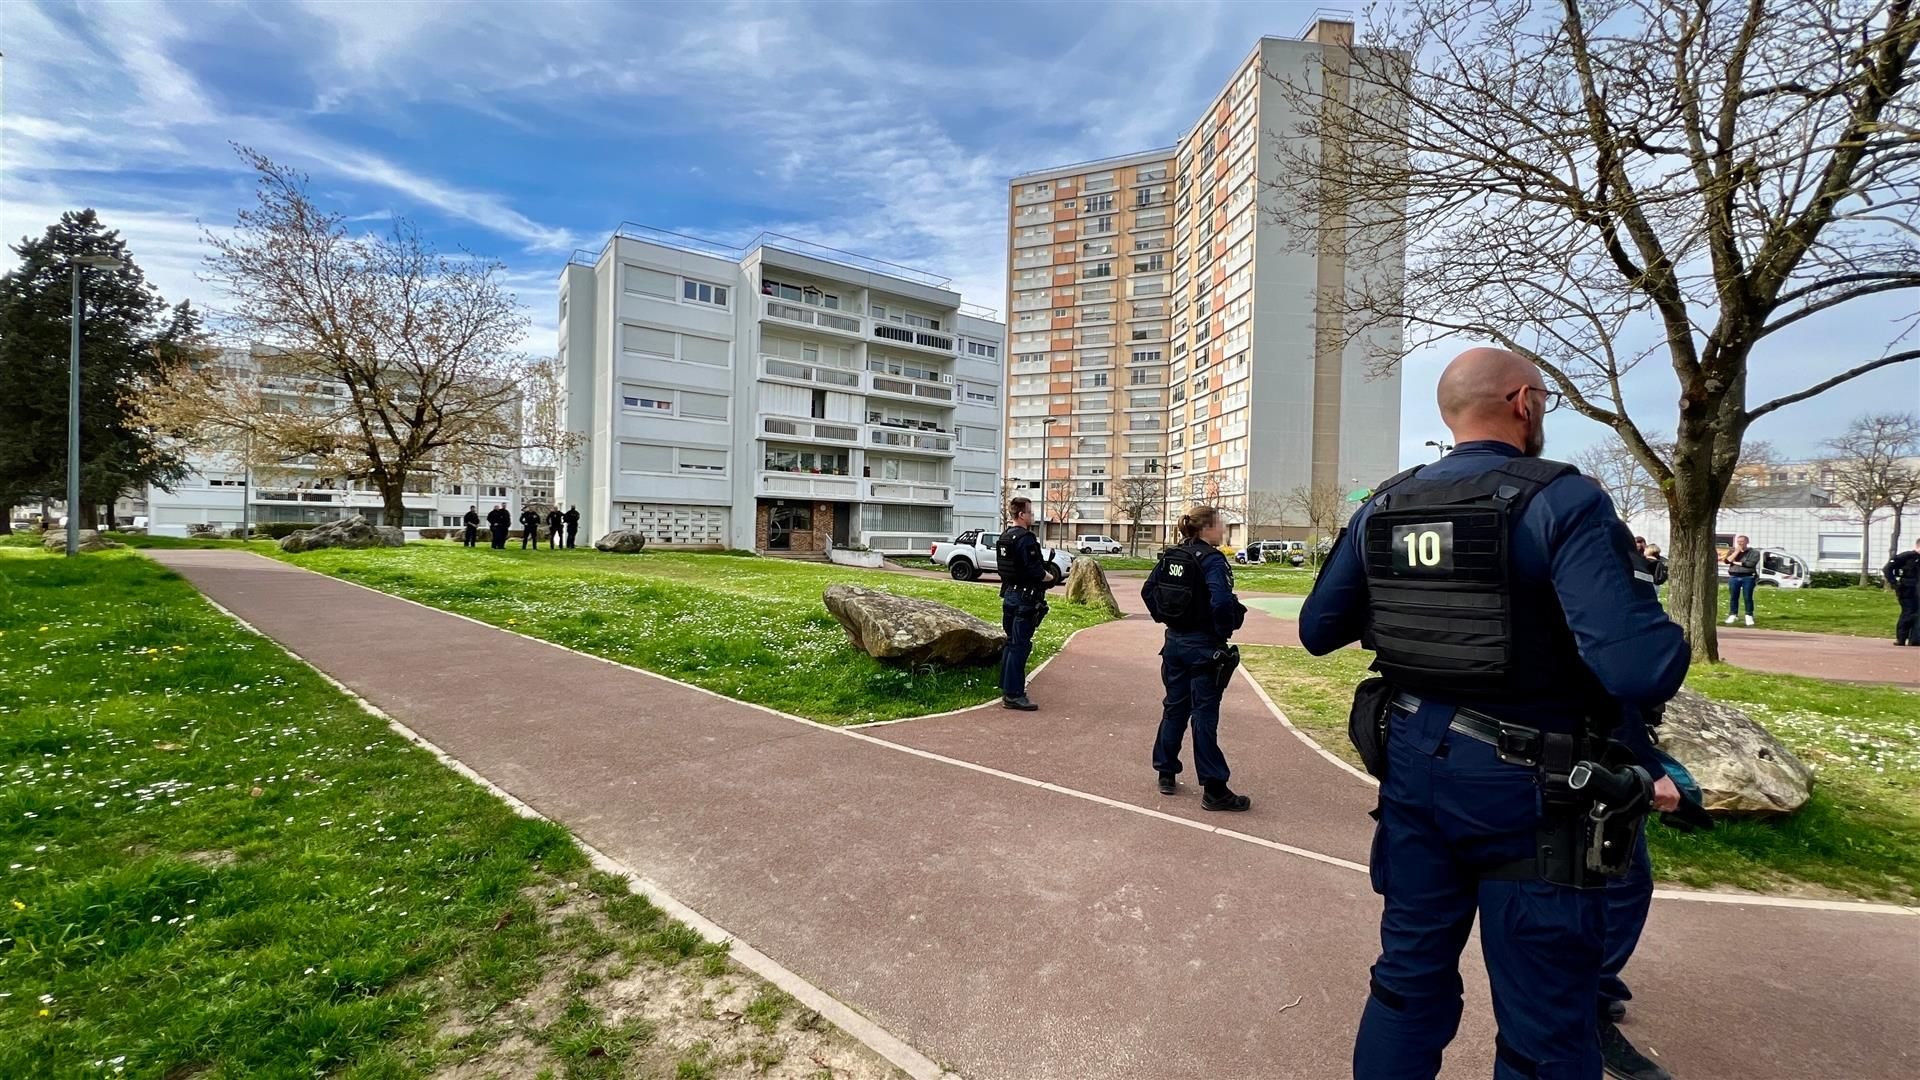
[(1859, 834), (218, 865), (749, 628)]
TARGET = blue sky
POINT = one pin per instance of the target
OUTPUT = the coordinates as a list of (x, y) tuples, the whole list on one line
[(523, 131)]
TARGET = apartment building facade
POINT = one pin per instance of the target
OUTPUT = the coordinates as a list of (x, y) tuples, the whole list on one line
[(222, 490), (1162, 330), (780, 397)]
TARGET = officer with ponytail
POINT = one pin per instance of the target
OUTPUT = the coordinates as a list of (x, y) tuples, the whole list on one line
[(1190, 591), (1517, 649)]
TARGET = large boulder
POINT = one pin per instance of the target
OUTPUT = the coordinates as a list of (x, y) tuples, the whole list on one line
[(351, 532), (622, 542), (90, 540), (906, 630), (1087, 584), (1741, 767)]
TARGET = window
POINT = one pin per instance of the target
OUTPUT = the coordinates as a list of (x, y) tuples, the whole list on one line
[(645, 458), (975, 481), (1839, 545), (702, 461), (493, 491), (1146, 356), (700, 350), (978, 438), (647, 282), (799, 294), (981, 348), (1096, 487), (704, 406), (1097, 204), (1151, 262), (825, 462), (647, 341), (449, 520), (1097, 270), (703, 292), (819, 405), (647, 399), (978, 394)]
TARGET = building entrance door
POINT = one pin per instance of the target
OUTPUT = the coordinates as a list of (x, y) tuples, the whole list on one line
[(783, 522), (842, 524)]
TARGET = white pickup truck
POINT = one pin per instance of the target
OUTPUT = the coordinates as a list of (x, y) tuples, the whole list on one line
[(970, 554)]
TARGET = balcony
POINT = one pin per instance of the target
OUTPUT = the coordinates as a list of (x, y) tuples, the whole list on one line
[(895, 379), (905, 491), (904, 440), (777, 369), (836, 432), (919, 339), (838, 322), (807, 485)]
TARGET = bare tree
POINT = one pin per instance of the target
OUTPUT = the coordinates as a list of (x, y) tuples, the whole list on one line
[(1062, 505), (1322, 508), (544, 413), (1615, 468), (1595, 183), (1868, 474), (1136, 499), (406, 362), (1903, 487), (1265, 508)]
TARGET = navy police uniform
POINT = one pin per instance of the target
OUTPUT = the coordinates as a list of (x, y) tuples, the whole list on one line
[(1903, 573), (1508, 653), (1024, 580), (1190, 658)]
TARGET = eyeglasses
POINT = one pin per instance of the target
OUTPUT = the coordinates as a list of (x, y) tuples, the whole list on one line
[(1551, 397)]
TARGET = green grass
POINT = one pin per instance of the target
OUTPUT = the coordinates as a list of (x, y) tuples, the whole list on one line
[(219, 865), (1859, 834), (1856, 612), (1273, 579), (753, 629)]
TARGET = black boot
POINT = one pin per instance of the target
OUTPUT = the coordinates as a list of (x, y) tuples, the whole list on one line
[(1220, 797), (1622, 1061), (1021, 703), (1613, 1012), (1166, 783)]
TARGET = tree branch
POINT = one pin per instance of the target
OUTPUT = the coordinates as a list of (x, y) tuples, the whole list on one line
[(1822, 387)]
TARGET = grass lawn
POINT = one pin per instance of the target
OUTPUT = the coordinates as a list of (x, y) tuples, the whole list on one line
[(749, 628), (218, 865), (1857, 612), (1859, 835)]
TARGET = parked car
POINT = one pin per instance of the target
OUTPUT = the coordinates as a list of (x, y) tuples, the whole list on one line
[(1292, 552), (1095, 544), (970, 554), (1781, 569)]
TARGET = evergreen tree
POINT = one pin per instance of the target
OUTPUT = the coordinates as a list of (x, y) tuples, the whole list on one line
[(127, 338)]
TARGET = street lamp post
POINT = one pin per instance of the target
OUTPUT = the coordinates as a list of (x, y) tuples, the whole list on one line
[(1444, 447), (100, 262), (1046, 469)]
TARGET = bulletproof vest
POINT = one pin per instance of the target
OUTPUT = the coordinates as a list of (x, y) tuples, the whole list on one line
[(1176, 591), (1008, 559), (1445, 614)]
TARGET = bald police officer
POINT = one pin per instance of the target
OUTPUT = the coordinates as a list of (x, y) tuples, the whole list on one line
[(1498, 593)]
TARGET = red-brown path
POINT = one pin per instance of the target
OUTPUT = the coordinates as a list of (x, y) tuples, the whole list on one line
[(1080, 930)]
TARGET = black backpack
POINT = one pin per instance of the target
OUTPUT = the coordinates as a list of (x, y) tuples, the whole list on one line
[(1176, 591)]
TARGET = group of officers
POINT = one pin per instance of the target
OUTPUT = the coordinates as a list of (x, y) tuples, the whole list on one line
[(499, 522), (1523, 661)]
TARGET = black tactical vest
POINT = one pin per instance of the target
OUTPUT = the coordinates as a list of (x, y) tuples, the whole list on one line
[(1444, 612), (1010, 561), (1176, 592)]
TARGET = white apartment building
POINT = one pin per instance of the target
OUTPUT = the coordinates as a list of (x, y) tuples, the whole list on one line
[(219, 486), (1163, 327), (782, 397)]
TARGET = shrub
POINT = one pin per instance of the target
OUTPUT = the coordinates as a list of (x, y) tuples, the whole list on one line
[(433, 534), (1838, 579), (280, 530)]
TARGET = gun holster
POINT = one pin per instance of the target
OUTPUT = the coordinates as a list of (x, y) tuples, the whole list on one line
[(1590, 822), (1224, 662)]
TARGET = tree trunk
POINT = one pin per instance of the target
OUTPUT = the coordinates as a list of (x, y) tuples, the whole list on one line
[(393, 501), (112, 522), (1693, 594), (89, 514), (1866, 550)]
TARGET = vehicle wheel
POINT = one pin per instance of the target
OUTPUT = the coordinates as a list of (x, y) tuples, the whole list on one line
[(961, 569)]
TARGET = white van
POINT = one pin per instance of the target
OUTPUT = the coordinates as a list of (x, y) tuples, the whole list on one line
[(1778, 568)]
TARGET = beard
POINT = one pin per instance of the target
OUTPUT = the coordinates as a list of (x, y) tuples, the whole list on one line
[(1536, 436)]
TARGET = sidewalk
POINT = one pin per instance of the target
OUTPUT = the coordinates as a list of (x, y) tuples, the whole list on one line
[(1082, 930)]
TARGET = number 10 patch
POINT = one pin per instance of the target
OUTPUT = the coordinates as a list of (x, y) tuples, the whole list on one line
[(1424, 550)]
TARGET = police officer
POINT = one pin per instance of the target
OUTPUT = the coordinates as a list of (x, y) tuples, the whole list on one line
[(572, 518), (498, 522), (1497, 592), (1025, 575), (1903, 573), (555, 521), (472, 523), (1191, 592), (529, 528)]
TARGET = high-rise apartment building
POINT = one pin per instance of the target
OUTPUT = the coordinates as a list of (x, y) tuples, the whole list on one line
[(782, 397), (1164, 329)]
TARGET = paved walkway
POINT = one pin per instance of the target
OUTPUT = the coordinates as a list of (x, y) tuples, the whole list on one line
[(1084, 929)]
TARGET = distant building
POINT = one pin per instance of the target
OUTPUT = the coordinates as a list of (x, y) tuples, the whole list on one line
[(780, 397), (1162, 327), (213, 493)]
